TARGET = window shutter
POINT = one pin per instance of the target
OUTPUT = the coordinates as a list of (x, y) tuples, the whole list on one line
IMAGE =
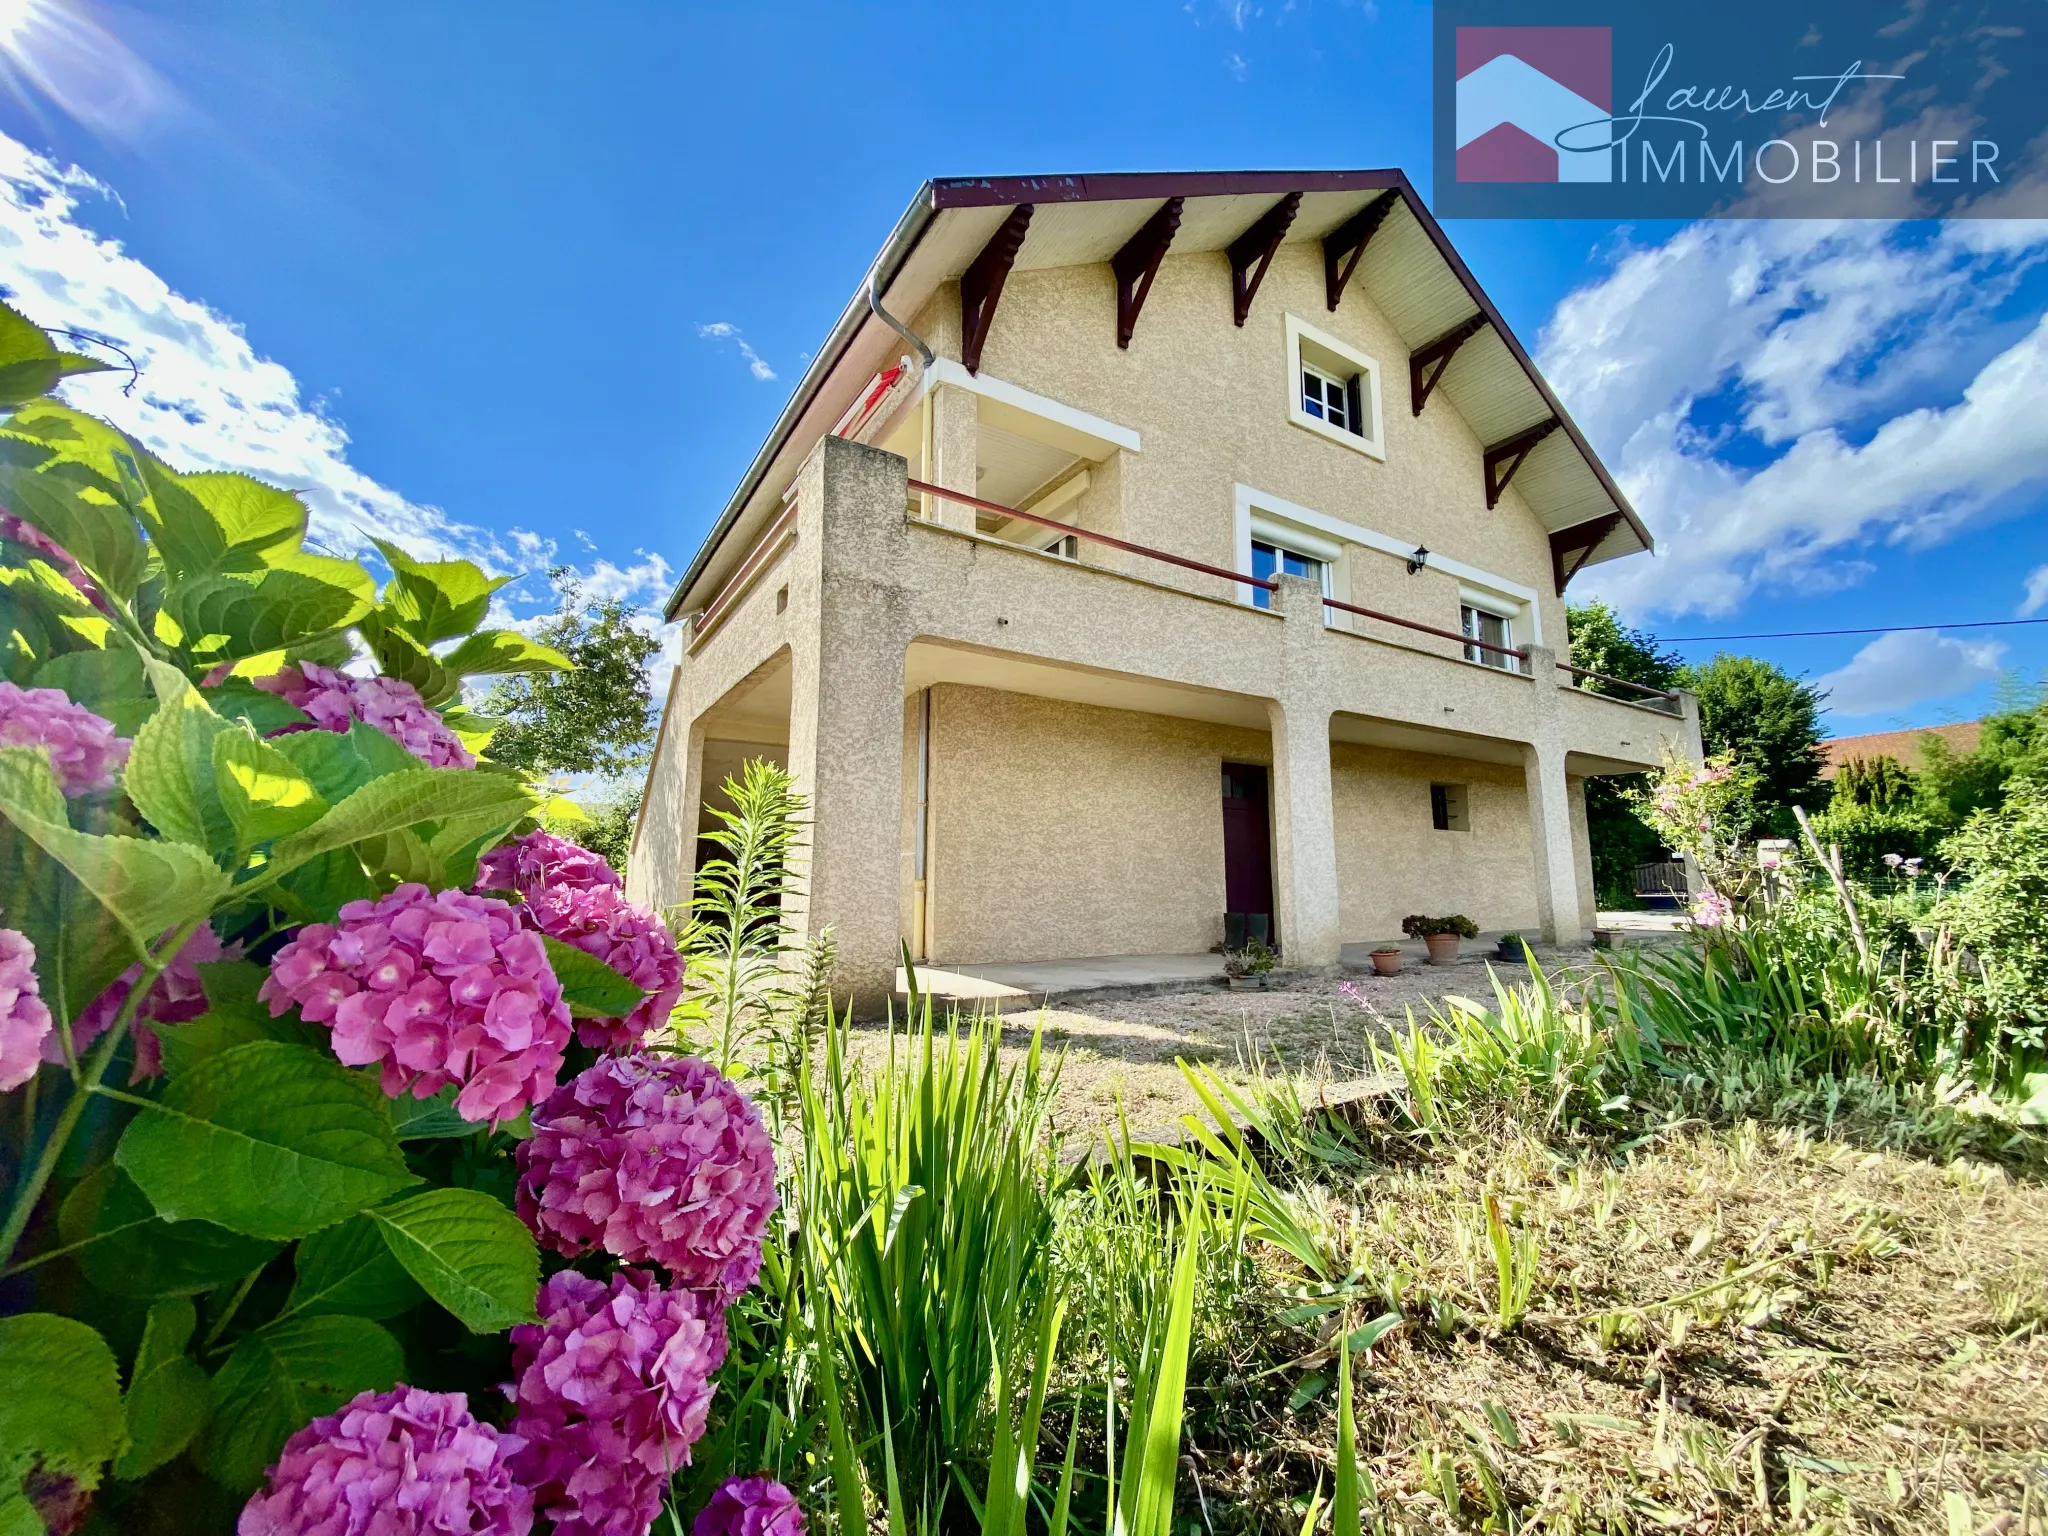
[(1353, 399)]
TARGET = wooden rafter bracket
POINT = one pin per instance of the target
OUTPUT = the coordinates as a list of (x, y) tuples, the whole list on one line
[(1138, 263), (1344, 245), (981, 285), (1252, 252), (1426, 367), (1571, 548), (1503, 459)]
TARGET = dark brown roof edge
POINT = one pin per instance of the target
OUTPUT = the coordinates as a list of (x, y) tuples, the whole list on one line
[(1119, 186)]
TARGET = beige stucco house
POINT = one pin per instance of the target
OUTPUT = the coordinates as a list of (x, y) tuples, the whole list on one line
[(1150, 559)]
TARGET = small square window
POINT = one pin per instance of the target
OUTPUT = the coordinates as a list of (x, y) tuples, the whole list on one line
[(1335, 391), (1447, 808), (1329, 399), (1496, 634)]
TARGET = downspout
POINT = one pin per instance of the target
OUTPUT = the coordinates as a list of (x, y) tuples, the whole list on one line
[(924, 502), (881, 314)]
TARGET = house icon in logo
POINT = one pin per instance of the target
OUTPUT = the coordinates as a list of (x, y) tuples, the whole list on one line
[(1521, 87)]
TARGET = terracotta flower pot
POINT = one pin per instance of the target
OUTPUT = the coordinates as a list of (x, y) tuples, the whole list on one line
[(1386, 962), (1443, 948)]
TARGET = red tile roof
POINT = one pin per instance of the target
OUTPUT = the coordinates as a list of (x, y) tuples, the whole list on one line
[(1903, 745)]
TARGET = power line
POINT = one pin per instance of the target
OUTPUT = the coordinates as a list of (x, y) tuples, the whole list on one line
[(1812, 634)]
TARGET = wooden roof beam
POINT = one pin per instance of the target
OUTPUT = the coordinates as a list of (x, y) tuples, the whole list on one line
[(1138, 263), (1580, 541), (1503, 459), (1426, 366), (1344, 245), (981, 285), (1252, 252)]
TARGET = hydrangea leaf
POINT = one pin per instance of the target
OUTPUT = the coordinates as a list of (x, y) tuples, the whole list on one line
[(496, 652), (347, 1268), (280, 1377), (60, 1405), (433, 1119), (170, 773), (317, 890), (398, 656), (267, 1139), (400, 800), (168, 1394), (219, 521), (239, 699), (147, 885), (265, 793), (74, 506), (435, 600), (468, 1252), (30, 364), (228, 615), (108, 682), (592, 989), (126, 1249)]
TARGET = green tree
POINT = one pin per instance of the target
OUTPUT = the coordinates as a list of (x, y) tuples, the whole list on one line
[(1770, 721), (1601, 643)]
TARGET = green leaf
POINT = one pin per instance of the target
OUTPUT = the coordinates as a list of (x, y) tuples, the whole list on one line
[(267, 1139), (73, 506), (398, 656), (317, 890), (281, 1377), (347, 1268), (499, 651), (207, 523), (60, 1404), (239, 699), (108, 682), (126, 1249), (265, 793), (148, 886), (435, 600), (168, 1393), (433, 1119), (592, 989), (468, 1252), (231, 615), (186, 1045), (170, 773), (402, 800)]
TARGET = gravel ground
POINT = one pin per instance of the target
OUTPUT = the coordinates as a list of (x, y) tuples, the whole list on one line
[(1121, 1050)]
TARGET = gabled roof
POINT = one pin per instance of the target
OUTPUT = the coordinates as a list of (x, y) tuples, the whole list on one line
[(1408, 268)]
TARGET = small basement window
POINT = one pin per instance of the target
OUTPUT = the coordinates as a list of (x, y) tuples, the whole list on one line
[(1447, 808), (1334, 389), (1494, 630)]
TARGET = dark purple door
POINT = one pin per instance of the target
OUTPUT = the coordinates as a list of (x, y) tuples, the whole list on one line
[(1247, 855)]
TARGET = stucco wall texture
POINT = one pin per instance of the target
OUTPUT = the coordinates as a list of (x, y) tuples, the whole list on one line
[(1060, 830)]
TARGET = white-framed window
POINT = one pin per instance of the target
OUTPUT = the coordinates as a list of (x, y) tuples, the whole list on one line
[(1271, 560), (1066, 547), (1491, 629), (1333, 388)]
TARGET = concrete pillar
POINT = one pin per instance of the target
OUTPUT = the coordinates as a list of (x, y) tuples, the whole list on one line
[(956, 451), (1304, 821), (1550, 810), (846, 709)]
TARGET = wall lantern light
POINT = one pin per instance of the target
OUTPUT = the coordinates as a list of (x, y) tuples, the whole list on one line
[(1419, 559)]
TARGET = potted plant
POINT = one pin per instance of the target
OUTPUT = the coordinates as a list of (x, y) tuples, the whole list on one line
[(1509, 947), (1441, 934), (1386, 960), (1250, 969)]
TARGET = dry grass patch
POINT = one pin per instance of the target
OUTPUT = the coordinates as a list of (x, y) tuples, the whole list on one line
[(1732, 1331)]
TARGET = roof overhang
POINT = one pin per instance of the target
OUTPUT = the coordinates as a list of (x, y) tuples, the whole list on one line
[(1409, 269)]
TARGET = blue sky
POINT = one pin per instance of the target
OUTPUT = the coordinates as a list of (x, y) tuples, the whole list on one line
[(531, 282)]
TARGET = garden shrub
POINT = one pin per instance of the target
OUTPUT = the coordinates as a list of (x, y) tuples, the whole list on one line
[(1999, 910)]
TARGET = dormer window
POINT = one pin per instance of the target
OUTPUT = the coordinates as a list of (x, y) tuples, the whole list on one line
[(1334, 389)]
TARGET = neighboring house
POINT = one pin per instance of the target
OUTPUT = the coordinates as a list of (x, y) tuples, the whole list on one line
[(1206, 577), (1904, 746)]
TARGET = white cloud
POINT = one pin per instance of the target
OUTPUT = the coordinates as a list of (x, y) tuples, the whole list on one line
[(1907, 667), (1780, 397), (725, 330), (2036, 597)]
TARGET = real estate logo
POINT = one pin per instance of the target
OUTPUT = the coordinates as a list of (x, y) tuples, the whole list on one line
[(1528, 100)]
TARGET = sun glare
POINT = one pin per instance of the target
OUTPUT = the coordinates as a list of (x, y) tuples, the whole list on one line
[(56, 52)]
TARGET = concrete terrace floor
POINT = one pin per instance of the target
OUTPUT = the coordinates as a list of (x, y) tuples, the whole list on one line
[(1119, 1023)]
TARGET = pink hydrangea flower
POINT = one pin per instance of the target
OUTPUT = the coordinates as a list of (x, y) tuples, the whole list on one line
[(24, 1016), (399, 1463), (598, 920), (335, 700), (612, 1387), (177, 998), (1712, 910), (652, 1158), (84, 750), (750, 1506), (441, 988), (541, 860)]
